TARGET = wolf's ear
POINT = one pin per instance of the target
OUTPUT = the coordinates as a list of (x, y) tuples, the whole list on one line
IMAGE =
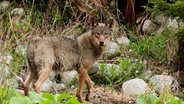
[(93, 24), (110, 23)]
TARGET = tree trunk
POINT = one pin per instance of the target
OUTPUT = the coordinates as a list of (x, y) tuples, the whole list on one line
[(130, 13)]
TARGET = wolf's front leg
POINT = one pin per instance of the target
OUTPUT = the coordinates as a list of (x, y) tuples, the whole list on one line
[(82, 76), (90, 88)]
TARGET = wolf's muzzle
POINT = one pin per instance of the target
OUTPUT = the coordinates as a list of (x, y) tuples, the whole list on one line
[(101, 43)]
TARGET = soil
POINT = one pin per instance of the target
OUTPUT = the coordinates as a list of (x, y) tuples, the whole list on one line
[(104, 95)]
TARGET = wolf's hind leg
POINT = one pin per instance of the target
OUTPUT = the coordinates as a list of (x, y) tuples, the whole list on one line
[(42, 77)]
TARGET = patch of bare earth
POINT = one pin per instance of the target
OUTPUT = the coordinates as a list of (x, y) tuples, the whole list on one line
[(110, 96)]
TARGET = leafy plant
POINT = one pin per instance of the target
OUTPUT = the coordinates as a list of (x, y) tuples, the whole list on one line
[(146, 99), (165, 98), (44, 98), (110, 73), (115, 74), (5, 94), (170, 7)]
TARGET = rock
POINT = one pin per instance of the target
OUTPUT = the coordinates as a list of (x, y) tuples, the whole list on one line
[(148, 74), (59, 86), (47, 86), (134, 87), (173, 24), (161, 29), (69, 77), (4, 5), (94, 69), (6, 59), (4, 74), (161, 19), (164, 82), (112, 50), (13, 82), (4, 71), (148, 26), (123, 41), (17, 12), (52, 76)]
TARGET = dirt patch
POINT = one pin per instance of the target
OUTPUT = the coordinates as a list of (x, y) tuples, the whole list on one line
[(110, 96)]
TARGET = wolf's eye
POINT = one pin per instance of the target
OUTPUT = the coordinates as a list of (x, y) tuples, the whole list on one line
[(106, 36), (97, 35)]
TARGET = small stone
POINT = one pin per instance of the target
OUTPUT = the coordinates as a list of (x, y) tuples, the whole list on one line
[(47, 86), (52, 75), (148, 74), (4, 5), (4, 71), (164, 82), (94, 69), (173, 24), (112, 50), (161, 19), (69, 77), (17, 12), (6, 59), (60, 86), (148, 26), (134, 87), (123, 41)]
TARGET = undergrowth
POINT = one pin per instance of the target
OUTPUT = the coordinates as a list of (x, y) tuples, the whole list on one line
[(165, 98), (9, 96), (126, 69), (154, 46)]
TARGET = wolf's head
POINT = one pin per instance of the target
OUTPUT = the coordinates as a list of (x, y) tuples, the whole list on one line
[(101, 33)]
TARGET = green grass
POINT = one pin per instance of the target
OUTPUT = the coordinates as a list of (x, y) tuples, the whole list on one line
[(157, 47)]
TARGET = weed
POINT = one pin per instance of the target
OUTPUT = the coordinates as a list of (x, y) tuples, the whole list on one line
[(6, 92), (153, 47), (165, 98), (116, 74)]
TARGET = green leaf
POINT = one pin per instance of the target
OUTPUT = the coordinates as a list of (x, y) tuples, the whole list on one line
[(63, 96), (17, 100), (140, 100), (48, 96), (35, 98)]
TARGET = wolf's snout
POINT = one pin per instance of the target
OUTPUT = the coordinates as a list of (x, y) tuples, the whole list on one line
[(101, 43)]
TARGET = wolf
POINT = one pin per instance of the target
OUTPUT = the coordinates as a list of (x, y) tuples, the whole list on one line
[(63, 54)]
